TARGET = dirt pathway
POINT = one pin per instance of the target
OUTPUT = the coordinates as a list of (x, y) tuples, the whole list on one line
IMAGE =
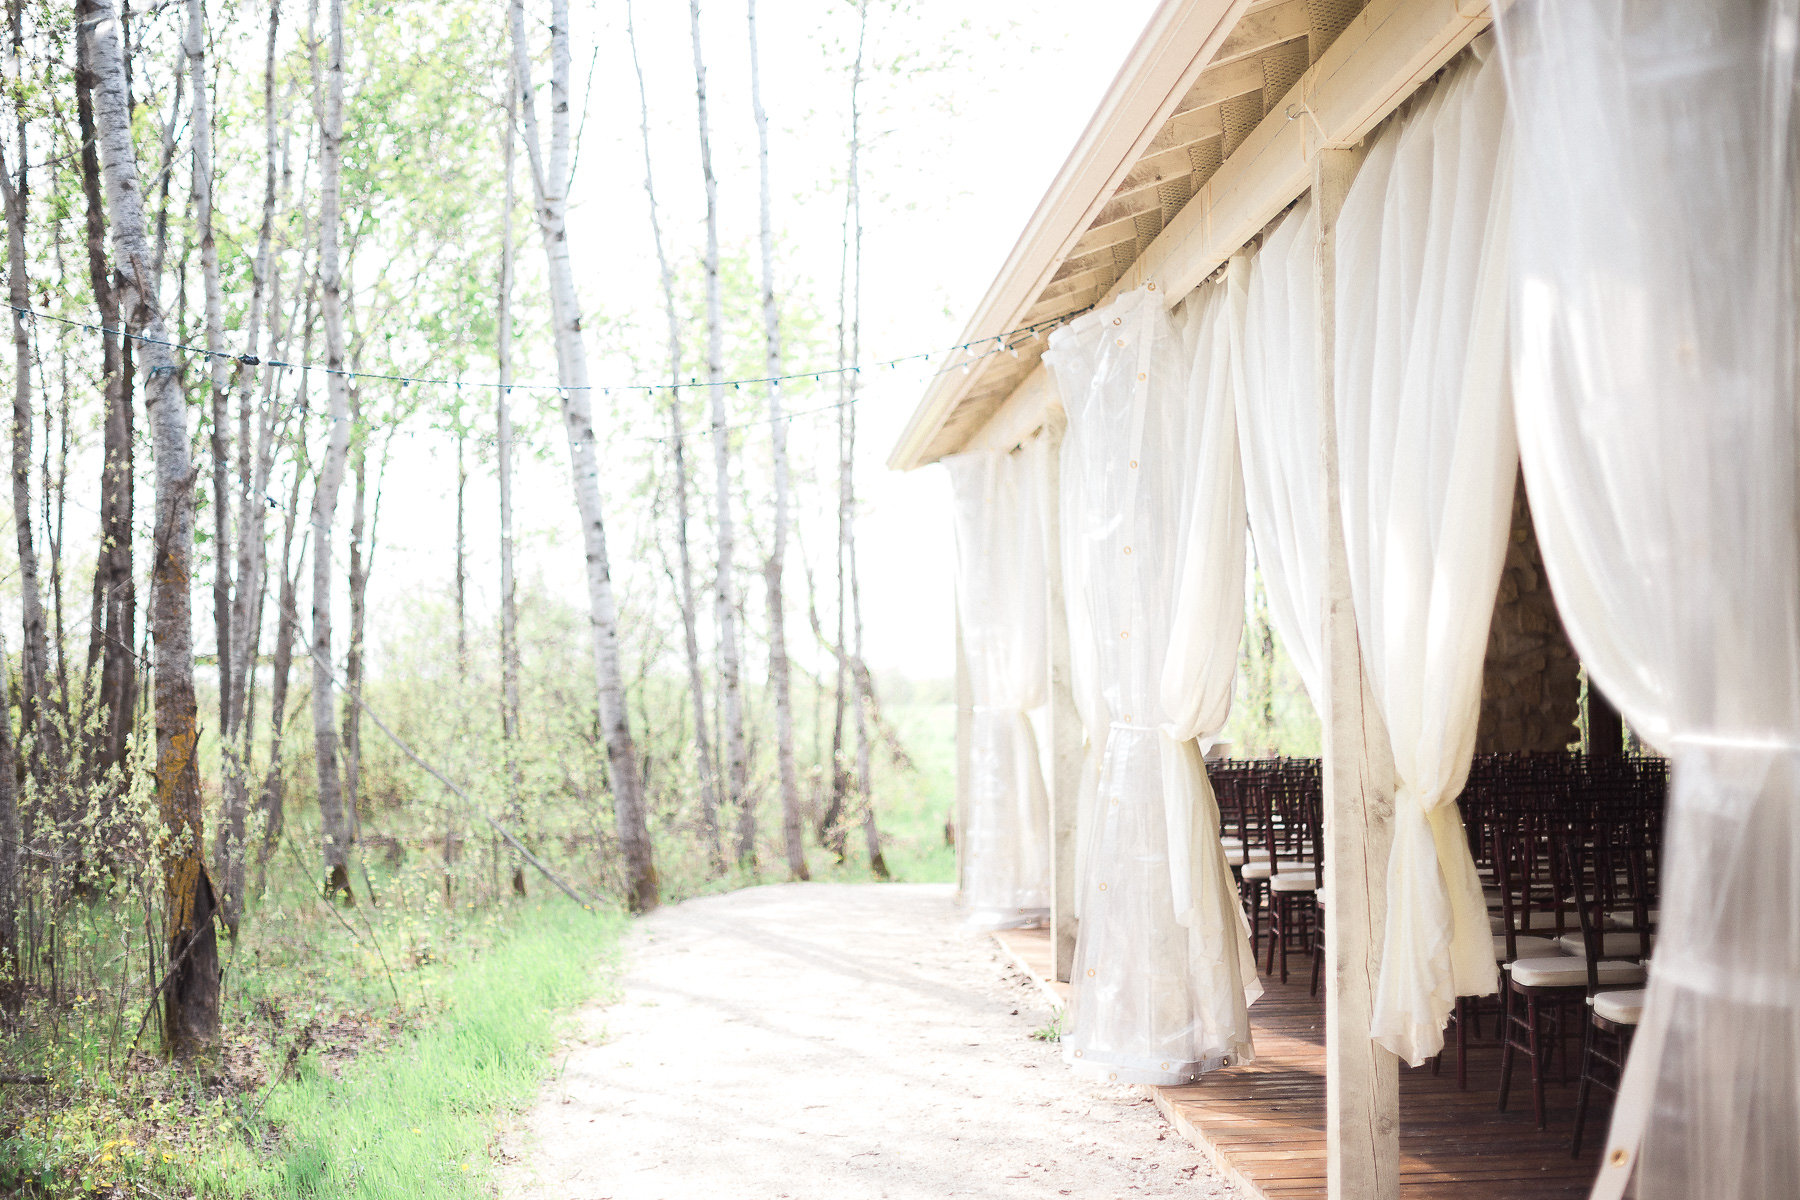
[(832, 1042)]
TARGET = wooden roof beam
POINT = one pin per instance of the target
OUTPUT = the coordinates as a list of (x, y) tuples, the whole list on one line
[(1380, 59), (1260, 30)]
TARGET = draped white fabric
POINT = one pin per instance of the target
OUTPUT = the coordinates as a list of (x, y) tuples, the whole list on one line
[(1655, 269), (1278, 431), (1002, 598), (1163, 972), (1084, 682), (1207, 625), (1426, 465)]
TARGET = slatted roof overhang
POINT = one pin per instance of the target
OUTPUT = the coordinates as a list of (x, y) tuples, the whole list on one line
[(1202, 111)]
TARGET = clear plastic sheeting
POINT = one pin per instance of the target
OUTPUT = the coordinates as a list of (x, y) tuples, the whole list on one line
[(1278, 433), (1426, 464), (1655, 266), (1163, 971), (1002, 595)]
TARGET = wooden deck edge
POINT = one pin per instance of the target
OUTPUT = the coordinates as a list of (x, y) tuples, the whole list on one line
[(1044, 987), (1242, 1183)]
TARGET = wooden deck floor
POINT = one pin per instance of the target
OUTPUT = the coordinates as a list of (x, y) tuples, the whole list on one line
[(1264, 1124)]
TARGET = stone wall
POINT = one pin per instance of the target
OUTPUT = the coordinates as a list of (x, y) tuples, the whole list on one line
[(1531, 688)]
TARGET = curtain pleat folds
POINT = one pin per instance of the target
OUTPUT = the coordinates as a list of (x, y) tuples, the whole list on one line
[(1163, 967), (1659, 427), (1002, 591)]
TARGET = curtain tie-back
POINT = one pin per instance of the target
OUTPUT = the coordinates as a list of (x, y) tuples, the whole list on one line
[(1436, 946)]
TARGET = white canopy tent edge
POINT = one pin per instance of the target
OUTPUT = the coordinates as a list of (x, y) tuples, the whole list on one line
[(1310, 143)]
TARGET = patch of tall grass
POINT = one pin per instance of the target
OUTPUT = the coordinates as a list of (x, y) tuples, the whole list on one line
[(341, 1077)]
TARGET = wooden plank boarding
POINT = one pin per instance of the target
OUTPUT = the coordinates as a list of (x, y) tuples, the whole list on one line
[(1263, 1124)]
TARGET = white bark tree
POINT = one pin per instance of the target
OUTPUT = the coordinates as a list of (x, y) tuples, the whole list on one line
[(328, 100), (256, 459), (731, 692), (218, 368), (34, 656), (772, 568), (707, 766), (191, 996), (853, 686), (550, 182), (503, 436), (113, 622)]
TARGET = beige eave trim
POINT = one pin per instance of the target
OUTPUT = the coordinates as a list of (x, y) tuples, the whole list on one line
[(1381, 58)]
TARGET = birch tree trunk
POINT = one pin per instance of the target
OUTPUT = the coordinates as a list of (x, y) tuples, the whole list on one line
[(847, 511), (287, 627), (191, 997), (350, 737), (831, 831), (772, 568), (503, 436), (328, 96), (242, 632), (852, 687), (111, 629), (550, 181), (708, 767), (731, 695), (217, 366), (281, 668), (34, 660)]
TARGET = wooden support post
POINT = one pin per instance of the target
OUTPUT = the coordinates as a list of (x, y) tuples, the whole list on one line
[(1362, 1086), (965, 734), (1065, 732)]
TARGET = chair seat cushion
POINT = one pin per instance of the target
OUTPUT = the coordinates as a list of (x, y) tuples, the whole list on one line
[(1526, 947), (1294, 881), (1624, 1006), (1628, 919), (1262, 870), (1618, 944), (1572, 972)]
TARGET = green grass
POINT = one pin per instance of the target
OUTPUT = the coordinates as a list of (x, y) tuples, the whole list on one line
[(372, 1051), (416, 1121), (913, 806), (351, 1100)]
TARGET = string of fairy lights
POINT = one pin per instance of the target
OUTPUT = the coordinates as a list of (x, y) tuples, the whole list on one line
[(963, 356)]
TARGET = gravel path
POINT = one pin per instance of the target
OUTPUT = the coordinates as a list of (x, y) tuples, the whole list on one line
[(831, 1042)]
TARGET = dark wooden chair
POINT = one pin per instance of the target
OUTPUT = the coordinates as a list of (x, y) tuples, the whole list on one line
[(1296, 849), (1537, 994)]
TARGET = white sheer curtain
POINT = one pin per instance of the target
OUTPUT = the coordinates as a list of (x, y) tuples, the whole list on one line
[(1654, 252), (1278, 431), (1156, 1000), (1084, 682), (1200, 666), (1002, 597), (1427, 460)]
